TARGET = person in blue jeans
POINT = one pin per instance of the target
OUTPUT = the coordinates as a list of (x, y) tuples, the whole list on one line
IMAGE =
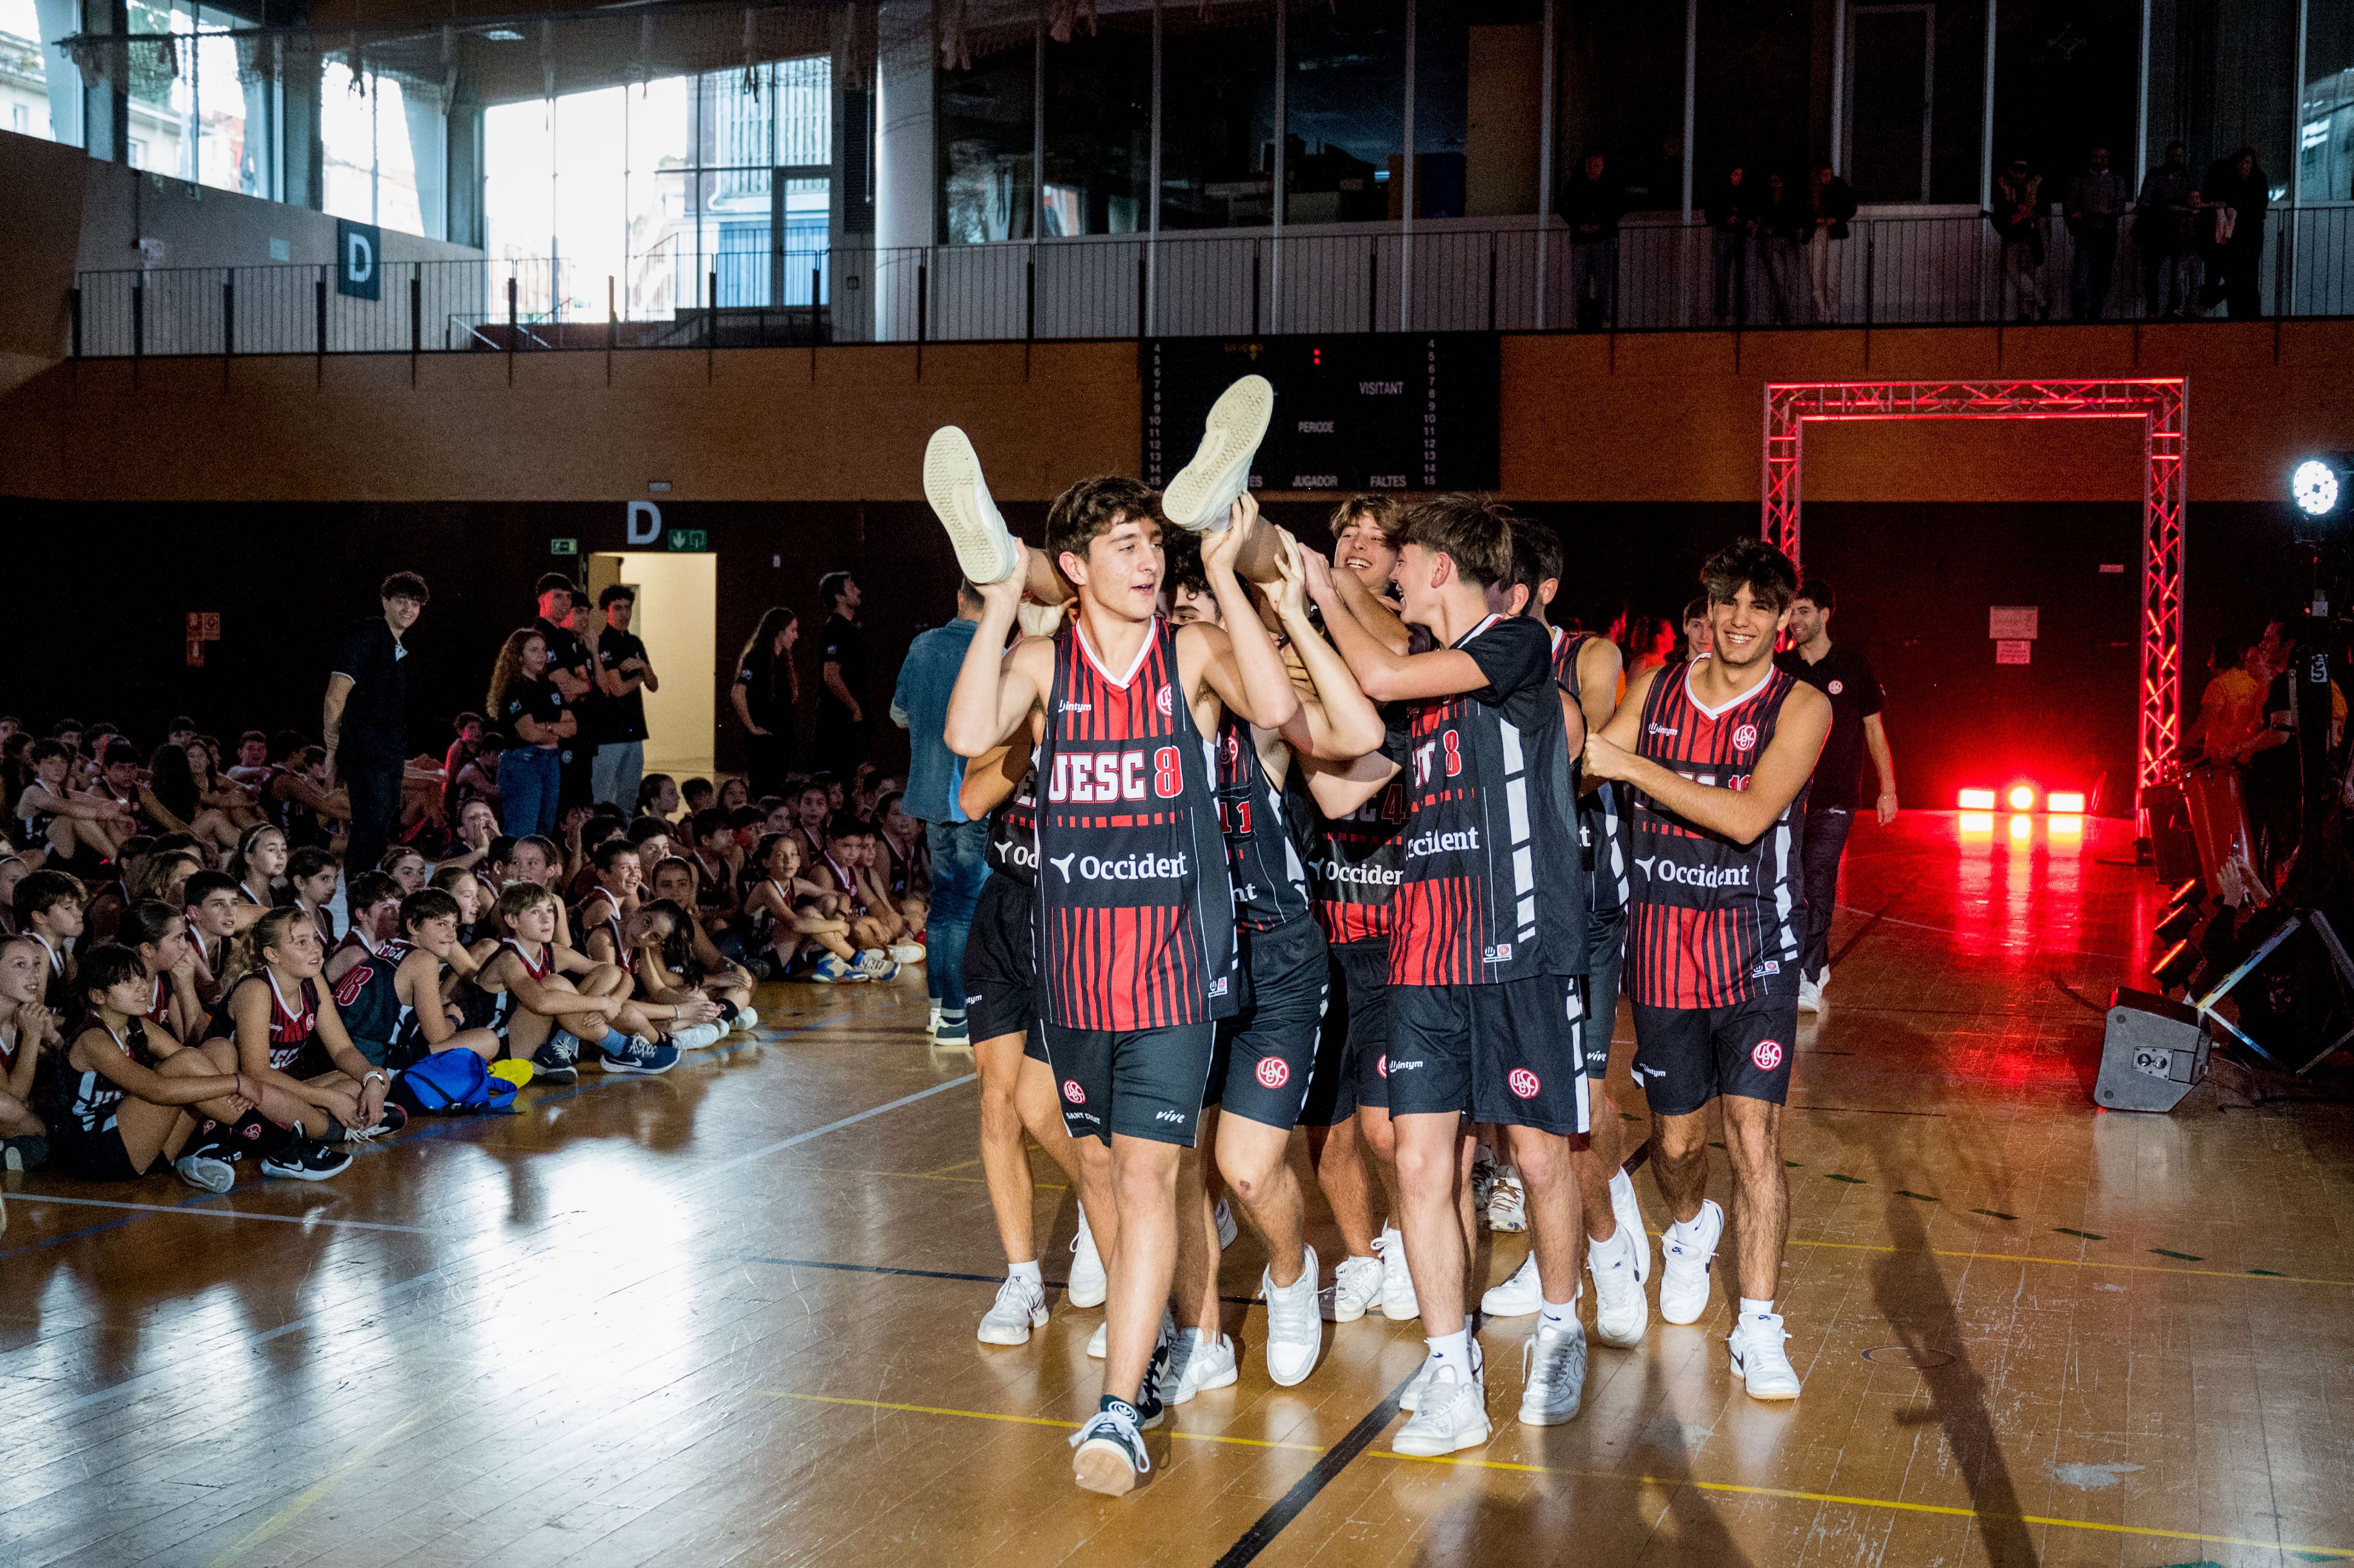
[(533, 712), (935, 774)]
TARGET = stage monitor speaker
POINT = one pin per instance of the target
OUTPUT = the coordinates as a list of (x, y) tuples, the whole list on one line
[(2153, 1054)]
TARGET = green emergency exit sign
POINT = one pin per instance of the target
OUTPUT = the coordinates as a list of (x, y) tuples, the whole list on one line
[(690, 540)]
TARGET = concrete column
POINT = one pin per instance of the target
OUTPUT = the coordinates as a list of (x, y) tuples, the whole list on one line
[(907, 179)]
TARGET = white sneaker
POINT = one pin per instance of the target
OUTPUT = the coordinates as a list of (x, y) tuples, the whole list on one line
[(1452, 1417), (1021, 1306), (1758, 1359), (1483, 1177), (1552, 1368), (908, 953), (932, 1024), (745, 1021), (1087, 1284), (1398, 1303), (1410, 1396), (832, 970), (1621, 1313), (1810, 997), (1517, 1297), (1355, 1289), (1203, 494), (877, 965), (961, 498), (1227, 1232), (1111, 1454), (1295, 1329), (1100, 1341), (698, 1036), (1508, 1206), (1197, 1365), (1684, 1283), (1630, 1219)]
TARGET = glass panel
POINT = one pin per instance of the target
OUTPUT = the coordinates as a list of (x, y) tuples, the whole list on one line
[(1479, 83), (659, 133), (592, 136), (225, 159), (1099, 128), (1751, 98), (2325, 133), (518, 184), (1622, 95), (1218, 121), (803, 204), (369, 174), (805, 101), (1888, 110), (985, 133), (24, 70), (1957, 105), (1346, 105), (2061, 89)]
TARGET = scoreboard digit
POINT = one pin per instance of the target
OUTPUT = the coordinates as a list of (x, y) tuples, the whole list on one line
[(1366, 411)]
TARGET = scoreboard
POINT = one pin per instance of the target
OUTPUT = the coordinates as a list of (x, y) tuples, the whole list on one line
[(1352, 412)]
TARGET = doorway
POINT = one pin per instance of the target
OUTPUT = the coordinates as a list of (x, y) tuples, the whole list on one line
[(1891, 82), (677, 611)]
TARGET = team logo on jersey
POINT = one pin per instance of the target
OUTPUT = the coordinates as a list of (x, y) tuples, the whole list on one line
[(1072, 1093), (1166, 701), (1075, 707), (1382, 1066), (1767, 1055), (1770, 967), (1693, 875), (1659, 729), (1271, 1073), (1523, 1083), (1836, 687), (1745, 739), (1501, 953)]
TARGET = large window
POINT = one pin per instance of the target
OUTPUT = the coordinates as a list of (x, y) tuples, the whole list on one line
[(1753, 91), (1479, 92), (1218, 121), (1622, 95), (987, 133), (2325, 126), (2063, 87), (368, 162), (1099, 129), (1345, 105)]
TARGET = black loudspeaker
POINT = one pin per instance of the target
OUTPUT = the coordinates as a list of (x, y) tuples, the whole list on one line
[(2153, 1054), (2173, 845)]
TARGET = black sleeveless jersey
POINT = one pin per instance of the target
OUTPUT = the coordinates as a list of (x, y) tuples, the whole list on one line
[(1270, 879), (1014, 831), (1494, 887), (1354, 864), (1714, 922), (366, 1000), (1601, 825), (1135, 922)]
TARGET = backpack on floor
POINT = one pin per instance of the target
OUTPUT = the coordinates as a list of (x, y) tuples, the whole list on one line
[(454, 1083)]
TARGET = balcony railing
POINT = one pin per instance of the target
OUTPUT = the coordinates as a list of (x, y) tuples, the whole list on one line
[(1893, 270)]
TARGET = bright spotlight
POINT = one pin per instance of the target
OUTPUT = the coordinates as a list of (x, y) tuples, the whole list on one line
[(2022, 798), (2318, 484), (2021, 827)]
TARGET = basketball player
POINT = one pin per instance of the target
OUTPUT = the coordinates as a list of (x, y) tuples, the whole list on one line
[(1619, 1250), (1718, 752), (1488, 932), (1135, 913)]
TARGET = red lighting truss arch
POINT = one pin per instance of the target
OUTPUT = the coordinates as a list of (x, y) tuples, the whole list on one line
[(2163, 406)]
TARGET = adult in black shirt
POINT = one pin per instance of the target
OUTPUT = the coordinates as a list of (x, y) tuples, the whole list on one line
[(1844, 675), (532, 711), (841, 738), (623, 677), (365, 719), (571, 671), (765, 690)]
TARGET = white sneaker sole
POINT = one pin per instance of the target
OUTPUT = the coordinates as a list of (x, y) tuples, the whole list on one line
[(960, 498), (1404, 1312), (1202, 493), (1097, 1346), (1102, 1466), (1538, 1415), (1224, 1377), (1426, 1449), (1513, 1298), (1017, 1334), (1092, 1294)]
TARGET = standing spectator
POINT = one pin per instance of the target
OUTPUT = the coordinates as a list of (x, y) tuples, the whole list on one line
[(958, 843), (366, 718), (766, 692), (538, 721), (1733, 225), (1789, 222), (2017, 219), (1832, 203), (1592, 202), (2233, 237), (2158, 233), (623, 676), (2096, 199), (1844, 675), (840, 741), (569, 672)]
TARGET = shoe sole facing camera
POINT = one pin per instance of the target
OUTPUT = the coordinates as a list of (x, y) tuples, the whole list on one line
[(1200, 496), (961, 498), (1103, 1465)]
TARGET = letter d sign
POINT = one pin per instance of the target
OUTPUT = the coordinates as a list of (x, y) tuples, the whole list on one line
[(358, 246), (645, 523)]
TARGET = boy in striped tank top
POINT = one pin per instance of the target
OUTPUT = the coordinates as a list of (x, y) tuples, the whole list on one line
[(1718, 753), (1135, 925)]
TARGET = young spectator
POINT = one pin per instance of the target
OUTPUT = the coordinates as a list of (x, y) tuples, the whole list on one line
[(619, 874), (420, 962), (478, 827), (659, 938), (27, 1032), (290, 1039), (873, 929), (159, 935), (310, 877), (302, 798), (468, 892), (735, 795), (550, 1017), (407, 867), (50, 905), (720, 975), (465, 750), (813, 809), (651, 835), (174, 797), (259, 862), (623, 674), (162, 876), (1697, 635), (658, 797), (531, 705), (696, 795), (14, 869), (791, 915), (373, 901), (212, 902), (55, 815), (107, 901)]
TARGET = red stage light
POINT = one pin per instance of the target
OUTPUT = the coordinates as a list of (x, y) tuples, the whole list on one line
[(1976, 822), (2063, 827), (1977, 801), (2020, 827), (2022, 798), (2069, 800)]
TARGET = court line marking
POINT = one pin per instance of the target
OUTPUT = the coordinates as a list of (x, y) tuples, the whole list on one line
[(1308, 1488), (237, 1215), (1028, 1420), (800, 1138), (301, 1502), (2075, 1262), (1946, 1509), (1244, 1301)]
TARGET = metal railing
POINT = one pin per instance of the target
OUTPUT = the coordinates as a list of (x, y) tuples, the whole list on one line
[(1660, 274)]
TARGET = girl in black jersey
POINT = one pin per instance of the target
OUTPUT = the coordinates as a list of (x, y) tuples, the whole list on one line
[(260, 861), (466, 890), (310, 877), (720, 977), (407, 867), (289, 1036), (788, 911), (54, 814), (159, 935), (28, 1030), (12, 870)]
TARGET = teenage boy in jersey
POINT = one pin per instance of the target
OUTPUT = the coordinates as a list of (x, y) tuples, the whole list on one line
[(1844, 675), (1135, 913), (1487, 935), (1619, 1249), (1718, 752)]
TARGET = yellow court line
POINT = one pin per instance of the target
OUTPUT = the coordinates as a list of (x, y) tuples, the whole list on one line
[(1945, 1509), (301, 1503), (960, 1165), (1024, 1420), (2081, 1263)]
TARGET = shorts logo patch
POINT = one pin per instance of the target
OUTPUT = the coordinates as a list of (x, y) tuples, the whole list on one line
[(1272, 1074), (1767, 1055), (1523, 1083), (1382, 1066), (1745, 739), (1072, 1093), (1836, 687)]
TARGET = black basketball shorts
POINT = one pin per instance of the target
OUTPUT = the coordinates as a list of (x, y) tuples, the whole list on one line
[(1000, 966), (1687, 1056), (1353, 1058), (1606, 952), (1139, 1083), (1513, 1052), (1266, 1063)]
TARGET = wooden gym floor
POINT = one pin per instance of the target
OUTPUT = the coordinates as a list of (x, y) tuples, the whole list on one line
[(726, 1317)]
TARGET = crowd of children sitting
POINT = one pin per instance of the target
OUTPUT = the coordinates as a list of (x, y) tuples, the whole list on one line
[(176, 987)]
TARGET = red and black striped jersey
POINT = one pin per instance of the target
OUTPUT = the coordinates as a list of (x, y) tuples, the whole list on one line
[(1714, 922), (1601, 826), (1136, 921), (1354, 863), (1494, 888), (292, 1023), (1270, 878), (1014, 831)]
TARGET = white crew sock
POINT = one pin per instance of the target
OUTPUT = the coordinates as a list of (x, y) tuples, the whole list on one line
[(1453, 1351), (1560, 1314), (1753, 1308), (1028, 1271)]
